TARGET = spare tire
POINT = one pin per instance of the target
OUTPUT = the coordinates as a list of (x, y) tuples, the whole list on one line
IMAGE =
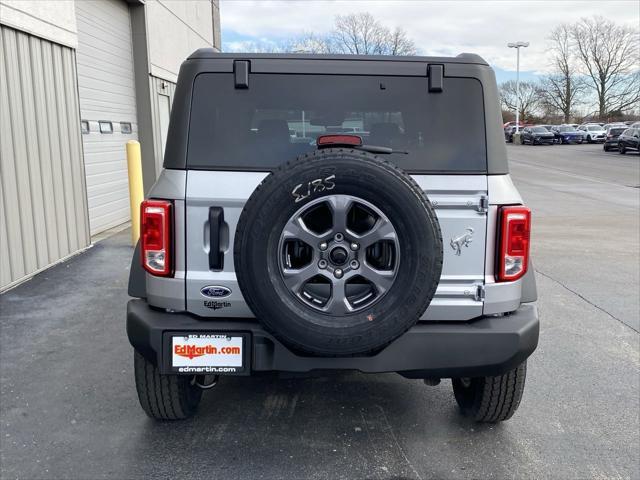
[(338, 252)]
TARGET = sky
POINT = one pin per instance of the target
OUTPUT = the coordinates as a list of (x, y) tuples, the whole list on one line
[(437, 27)]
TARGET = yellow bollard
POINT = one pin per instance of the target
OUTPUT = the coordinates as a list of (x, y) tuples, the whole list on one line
[(136, 190)]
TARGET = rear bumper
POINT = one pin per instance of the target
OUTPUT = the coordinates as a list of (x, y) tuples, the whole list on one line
[(486, 346)]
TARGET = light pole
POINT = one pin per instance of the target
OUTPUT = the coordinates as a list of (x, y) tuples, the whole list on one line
[(517, 46)]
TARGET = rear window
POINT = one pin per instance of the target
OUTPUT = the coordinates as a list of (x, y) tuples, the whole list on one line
[(280, 117)]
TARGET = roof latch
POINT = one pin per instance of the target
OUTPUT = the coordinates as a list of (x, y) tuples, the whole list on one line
[(435, 74), (241, 70)]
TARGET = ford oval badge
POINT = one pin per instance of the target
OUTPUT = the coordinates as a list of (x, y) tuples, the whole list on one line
[(215, 291)]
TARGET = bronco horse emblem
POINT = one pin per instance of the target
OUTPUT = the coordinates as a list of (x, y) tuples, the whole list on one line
[(462, 241)]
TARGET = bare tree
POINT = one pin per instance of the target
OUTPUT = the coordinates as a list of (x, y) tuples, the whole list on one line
[(311, 43), (359, 34), (356, 34), (262, 47), (528, 95), (400, 43), (561, 90), (609, 55)]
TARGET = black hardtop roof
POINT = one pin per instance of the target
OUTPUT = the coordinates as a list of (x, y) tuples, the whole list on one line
[(464, 58)]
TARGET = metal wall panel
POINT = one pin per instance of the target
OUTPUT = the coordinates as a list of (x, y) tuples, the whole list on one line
[(107, 93), (43, 208), (162, 92)]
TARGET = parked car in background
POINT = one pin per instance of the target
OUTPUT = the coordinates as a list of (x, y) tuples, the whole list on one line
[(537, 135), (513, 124), (593, 132), (611, 140), (567, 134), (614, 124), (628, 140), (508, 133)]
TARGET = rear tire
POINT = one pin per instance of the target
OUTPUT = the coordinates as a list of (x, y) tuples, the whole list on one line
[(491, 399), (164, 397)]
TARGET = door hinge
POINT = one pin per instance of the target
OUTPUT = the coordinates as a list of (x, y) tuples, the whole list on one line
[(483, 204), (241, 70), (479, 296)]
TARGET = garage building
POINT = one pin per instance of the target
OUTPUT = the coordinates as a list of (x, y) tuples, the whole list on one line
[(77, 81)]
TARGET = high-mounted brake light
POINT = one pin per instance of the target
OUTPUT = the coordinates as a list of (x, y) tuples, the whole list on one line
[(155, 237), (339, 140), (513, 250)]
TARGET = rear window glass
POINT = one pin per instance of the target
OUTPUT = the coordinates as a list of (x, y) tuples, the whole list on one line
[(280, 117)]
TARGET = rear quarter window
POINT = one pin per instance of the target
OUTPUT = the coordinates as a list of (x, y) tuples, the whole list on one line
[(280, 117)]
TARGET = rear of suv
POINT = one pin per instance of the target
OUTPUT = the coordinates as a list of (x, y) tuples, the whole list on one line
[(315, 214)]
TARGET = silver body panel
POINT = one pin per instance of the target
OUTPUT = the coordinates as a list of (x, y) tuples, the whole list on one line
[(169, 292), (467, 286)]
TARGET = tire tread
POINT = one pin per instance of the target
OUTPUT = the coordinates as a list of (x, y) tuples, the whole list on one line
[(492, 399), (163, 397), (390, 167)]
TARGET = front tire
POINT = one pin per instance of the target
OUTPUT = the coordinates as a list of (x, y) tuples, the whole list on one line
[(490, 399), (589, 139), (621, 149), (164, 397)]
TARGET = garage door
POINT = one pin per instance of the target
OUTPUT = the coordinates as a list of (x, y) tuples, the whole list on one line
[(107, 107)]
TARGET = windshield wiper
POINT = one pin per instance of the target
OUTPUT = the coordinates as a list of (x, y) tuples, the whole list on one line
[(378, 149)]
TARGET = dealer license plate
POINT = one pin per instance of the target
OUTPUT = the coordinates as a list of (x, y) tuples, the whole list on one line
[(208, 353)]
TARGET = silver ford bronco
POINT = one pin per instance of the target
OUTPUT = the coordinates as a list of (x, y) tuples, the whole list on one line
[(325, 213)]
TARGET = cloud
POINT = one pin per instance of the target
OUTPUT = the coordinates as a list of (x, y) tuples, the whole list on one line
[(437, 27)]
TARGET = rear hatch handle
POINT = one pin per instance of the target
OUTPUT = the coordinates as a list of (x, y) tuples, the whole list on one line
[(216, 254)]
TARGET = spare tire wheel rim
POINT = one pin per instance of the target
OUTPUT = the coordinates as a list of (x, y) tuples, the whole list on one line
[(339, 254)]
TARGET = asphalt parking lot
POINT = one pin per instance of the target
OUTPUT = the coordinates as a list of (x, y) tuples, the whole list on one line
[(69, 409)]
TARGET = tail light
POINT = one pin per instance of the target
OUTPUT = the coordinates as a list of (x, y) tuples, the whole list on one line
[(155, 237), (513, 252)]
